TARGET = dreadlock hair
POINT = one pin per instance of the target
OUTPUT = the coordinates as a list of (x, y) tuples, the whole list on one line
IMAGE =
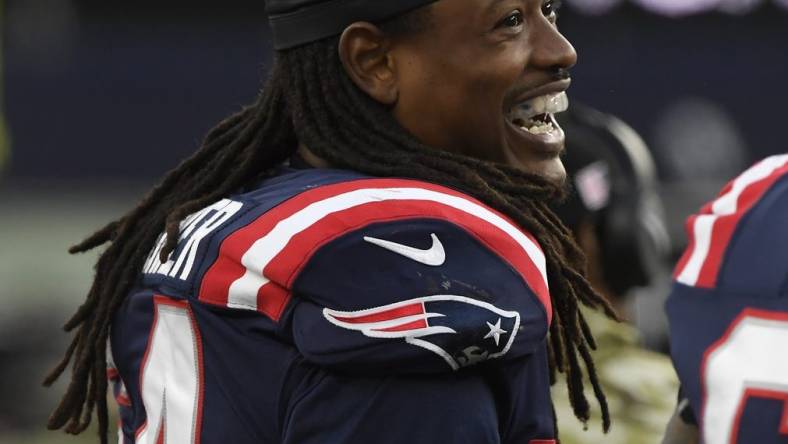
[(309, 99)]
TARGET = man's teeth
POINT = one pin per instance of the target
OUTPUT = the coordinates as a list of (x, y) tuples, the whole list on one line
[(548, 103), (524, 114), (540, 128)]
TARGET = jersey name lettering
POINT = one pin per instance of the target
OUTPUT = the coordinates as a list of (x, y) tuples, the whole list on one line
[(194, 229)]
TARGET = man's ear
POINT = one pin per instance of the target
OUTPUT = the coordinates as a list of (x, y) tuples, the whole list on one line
[(365, 53)]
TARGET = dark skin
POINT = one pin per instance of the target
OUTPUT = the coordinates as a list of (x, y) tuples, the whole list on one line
[(453, 84)]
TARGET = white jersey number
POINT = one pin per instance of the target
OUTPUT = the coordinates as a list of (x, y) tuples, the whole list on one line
[(750, 360), (172, 379)]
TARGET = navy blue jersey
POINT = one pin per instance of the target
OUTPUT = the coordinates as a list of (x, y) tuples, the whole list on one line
[(323, 306), (729, 310)]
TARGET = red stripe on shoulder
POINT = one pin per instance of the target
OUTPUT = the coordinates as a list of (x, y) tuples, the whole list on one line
[(287, 265), (491, 228), (227, 268)]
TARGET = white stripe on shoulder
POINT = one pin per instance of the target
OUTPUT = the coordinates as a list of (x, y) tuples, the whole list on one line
[(725, 205), (701, 232), (243, 291)]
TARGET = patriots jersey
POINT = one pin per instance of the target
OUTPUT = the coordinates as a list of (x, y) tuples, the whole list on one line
[(728, 310), (324, 306)]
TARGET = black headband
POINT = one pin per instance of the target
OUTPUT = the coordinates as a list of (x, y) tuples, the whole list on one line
[(296, 22)]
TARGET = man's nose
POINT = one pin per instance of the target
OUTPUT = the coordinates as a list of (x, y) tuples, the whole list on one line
[(551, 50)]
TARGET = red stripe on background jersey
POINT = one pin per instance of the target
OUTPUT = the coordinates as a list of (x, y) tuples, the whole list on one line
[(273, 295), (725, 226), (711, 230)]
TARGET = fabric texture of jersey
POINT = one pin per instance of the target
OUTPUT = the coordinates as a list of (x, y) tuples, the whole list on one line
[(322, 306), (729, 310)]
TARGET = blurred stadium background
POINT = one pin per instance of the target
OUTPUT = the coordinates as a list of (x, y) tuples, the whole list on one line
[(102, 97)]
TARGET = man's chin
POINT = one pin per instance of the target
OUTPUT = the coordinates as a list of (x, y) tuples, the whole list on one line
[(552, 173), (550, 169)]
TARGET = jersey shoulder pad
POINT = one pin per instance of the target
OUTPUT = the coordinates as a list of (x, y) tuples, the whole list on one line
[(351, 262), (736, 240)]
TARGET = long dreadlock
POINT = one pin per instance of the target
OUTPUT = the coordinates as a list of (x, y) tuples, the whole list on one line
[(308, 98)]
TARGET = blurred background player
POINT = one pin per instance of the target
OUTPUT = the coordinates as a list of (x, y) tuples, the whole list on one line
[(729, 314), (616, 215)]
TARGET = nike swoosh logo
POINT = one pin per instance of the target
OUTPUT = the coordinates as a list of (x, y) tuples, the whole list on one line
[(435, 256)]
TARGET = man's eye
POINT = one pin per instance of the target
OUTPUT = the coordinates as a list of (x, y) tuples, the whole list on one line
[(512, 20), (550, 8)]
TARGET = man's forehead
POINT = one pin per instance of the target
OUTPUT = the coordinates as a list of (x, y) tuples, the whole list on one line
[(492, 4), (297, 22)]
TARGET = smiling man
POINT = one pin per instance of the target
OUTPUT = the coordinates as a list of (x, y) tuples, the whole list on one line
[(481, 79), (365, 254)]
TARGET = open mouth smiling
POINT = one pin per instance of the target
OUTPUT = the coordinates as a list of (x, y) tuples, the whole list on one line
[(531, 116), (537, 115)]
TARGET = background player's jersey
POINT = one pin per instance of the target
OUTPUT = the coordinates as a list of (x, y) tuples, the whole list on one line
[(327, 307), (729, 310)]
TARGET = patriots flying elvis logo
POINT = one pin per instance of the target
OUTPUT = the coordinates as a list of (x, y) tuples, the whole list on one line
[(461, 330)]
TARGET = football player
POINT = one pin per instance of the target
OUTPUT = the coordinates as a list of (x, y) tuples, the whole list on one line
[(362, 255), (728, 314), (617, 218)]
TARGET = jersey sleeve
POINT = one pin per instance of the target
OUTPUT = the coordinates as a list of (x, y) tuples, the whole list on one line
[(455, 408), (390, 275)]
